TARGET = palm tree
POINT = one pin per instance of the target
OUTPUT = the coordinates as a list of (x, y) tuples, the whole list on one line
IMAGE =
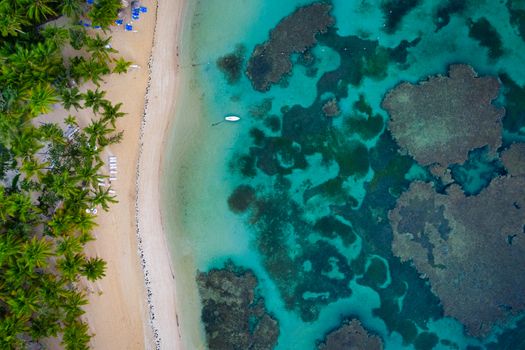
[(55, 35), (10, 329), (121, 65), (84, 222), (60, 224), (94, 268), (94, 99), (36, 252), (24, 142), (71, 98), (105, 12), (97, 132), (99, 47), (112, 113), (11, 24), (22, 303), (71, 8), (39, 10), (40, 99), (70, 266), (102, 197), (31, 167), (73, 305), (71, 121), (76, 336), (69, 245)]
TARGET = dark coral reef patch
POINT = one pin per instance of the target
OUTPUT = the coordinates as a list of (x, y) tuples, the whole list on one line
[(294, 34), (395, 10), (351, 335), (474, 270), (484, 32), (441, 119), (231, 64), (233, 315), (514, 159)]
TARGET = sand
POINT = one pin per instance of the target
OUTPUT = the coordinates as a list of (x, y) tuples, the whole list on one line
[(127, 309)]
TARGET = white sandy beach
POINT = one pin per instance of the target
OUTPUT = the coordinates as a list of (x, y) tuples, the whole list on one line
[(127, 309)]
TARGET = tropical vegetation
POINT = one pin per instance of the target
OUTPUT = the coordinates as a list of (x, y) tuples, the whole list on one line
[(50, 173)]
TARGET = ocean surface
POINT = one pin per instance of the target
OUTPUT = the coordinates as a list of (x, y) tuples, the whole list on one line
[(313, 224)]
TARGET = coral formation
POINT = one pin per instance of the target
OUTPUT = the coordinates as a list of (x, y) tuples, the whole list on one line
[(331, 108), (446, 9), (241, 198), (270, 61), (231, 64), (233, 316), (484, 32), (441, 119), (351, 335), (470, 248), (514, 159), (395, 10)]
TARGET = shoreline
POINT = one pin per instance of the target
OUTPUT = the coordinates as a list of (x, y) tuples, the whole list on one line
[(154, 252)]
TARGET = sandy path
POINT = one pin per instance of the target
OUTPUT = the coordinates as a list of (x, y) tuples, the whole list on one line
[(119, 314)]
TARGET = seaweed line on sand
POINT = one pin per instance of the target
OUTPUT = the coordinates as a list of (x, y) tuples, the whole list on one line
[(140, 249)]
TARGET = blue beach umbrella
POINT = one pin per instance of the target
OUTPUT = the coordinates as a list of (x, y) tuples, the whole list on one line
[(119, 22), (90, 2), (143, 9), (129, 27)]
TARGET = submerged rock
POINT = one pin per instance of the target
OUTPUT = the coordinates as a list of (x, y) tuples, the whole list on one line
[(233, 316), (351, 336), (472, 249), (295, 33), (441, 119)]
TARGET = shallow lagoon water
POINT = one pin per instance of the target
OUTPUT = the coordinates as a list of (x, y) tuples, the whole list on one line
[(366, 192)]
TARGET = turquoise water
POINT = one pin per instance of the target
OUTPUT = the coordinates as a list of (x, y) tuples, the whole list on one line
[(320, 245)]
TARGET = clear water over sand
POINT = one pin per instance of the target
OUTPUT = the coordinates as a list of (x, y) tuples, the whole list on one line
[(203, 170)]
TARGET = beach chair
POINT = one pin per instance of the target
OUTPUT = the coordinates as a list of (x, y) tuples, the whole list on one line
[(112, 178)]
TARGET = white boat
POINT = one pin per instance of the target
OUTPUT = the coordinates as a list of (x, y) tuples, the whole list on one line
[(232, 118)]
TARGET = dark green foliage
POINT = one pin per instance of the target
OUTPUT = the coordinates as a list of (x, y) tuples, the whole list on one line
[(104, 13), (395, 10), (43, 221), (231, 64), (484, 32), (241, 198)]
